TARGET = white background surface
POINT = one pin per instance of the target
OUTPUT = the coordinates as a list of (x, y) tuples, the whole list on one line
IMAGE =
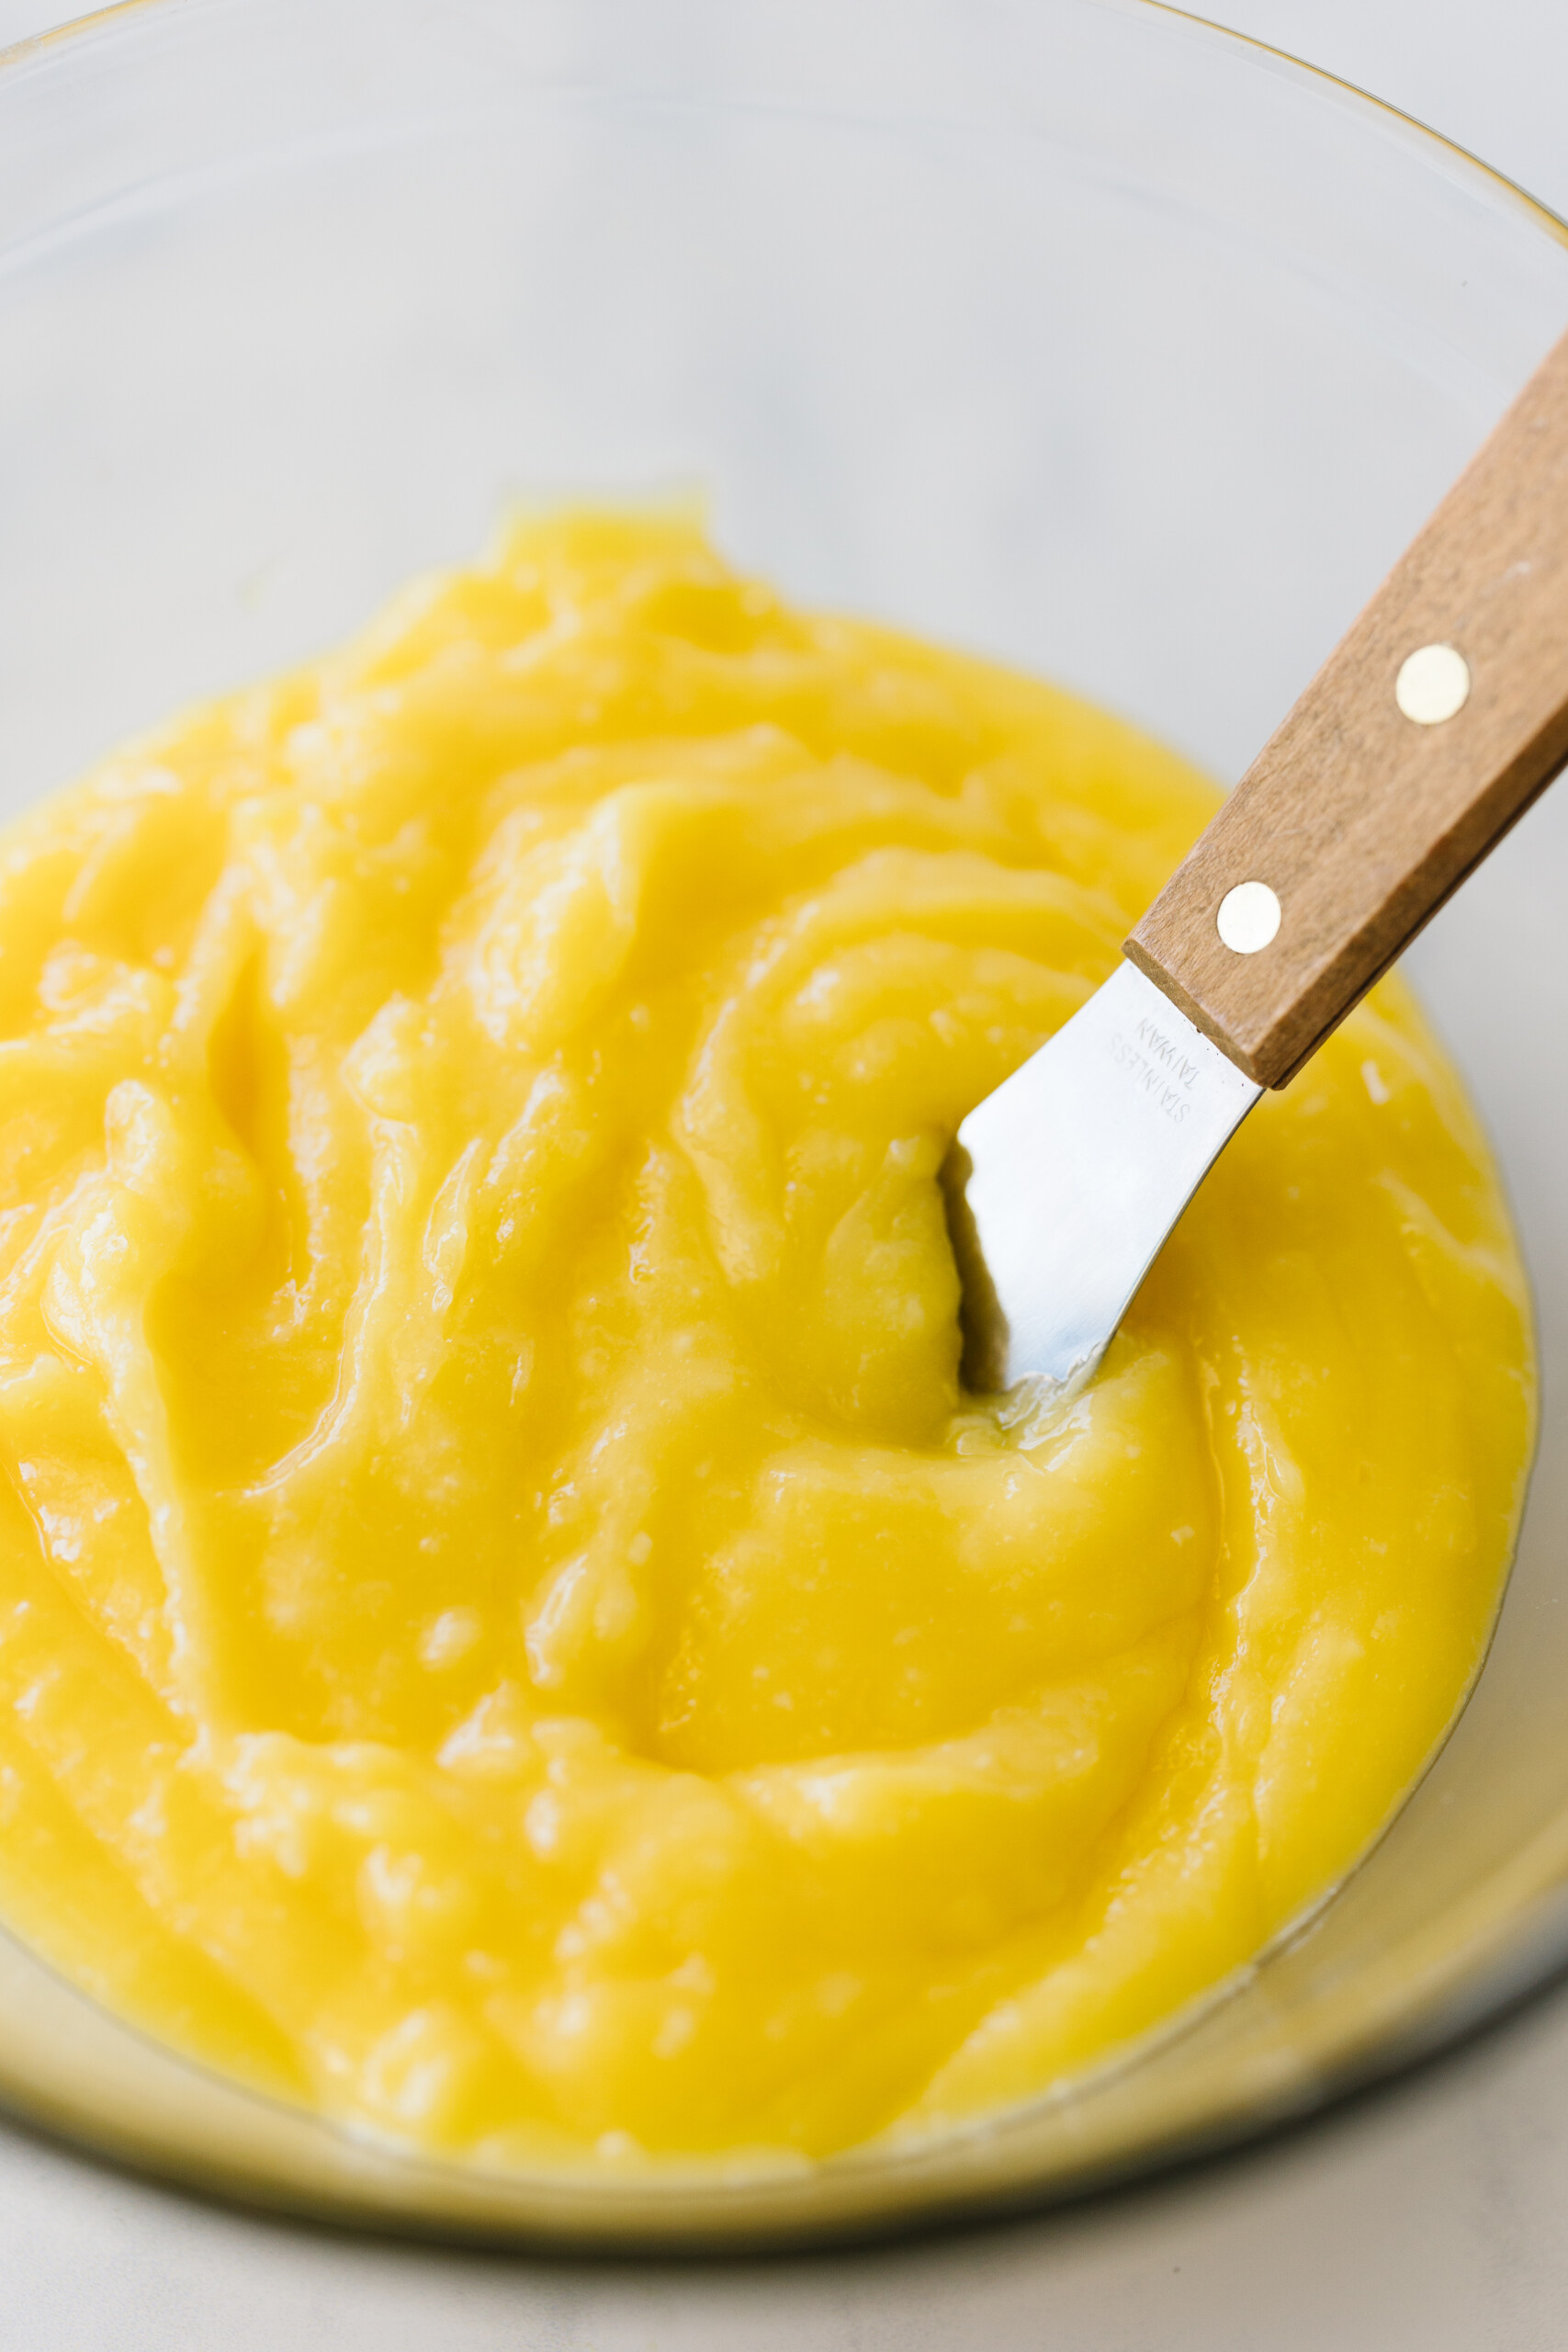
[(1432, 2216)]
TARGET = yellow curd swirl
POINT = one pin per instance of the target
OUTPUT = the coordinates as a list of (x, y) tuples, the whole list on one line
[(510, 1632)]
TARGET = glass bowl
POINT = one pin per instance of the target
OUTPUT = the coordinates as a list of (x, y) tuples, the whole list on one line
[(1072, 330)]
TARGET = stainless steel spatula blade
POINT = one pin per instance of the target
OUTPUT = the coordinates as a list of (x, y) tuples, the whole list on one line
[(1062, 1184)]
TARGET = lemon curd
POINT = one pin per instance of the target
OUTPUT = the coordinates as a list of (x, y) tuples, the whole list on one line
[(511, 1634)]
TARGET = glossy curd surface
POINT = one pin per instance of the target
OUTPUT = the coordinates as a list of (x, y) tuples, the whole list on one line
[(510, 1633)]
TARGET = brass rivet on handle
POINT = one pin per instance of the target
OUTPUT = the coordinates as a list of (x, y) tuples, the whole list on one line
[(1433, 682), (1249, 918)]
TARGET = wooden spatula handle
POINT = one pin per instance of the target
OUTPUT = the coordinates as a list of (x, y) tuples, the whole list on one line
[(1369, 805)]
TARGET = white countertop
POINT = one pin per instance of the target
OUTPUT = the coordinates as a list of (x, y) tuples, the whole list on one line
[(1432, 2215)]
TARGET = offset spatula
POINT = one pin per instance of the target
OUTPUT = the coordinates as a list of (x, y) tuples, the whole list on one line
[(1432, 728)]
